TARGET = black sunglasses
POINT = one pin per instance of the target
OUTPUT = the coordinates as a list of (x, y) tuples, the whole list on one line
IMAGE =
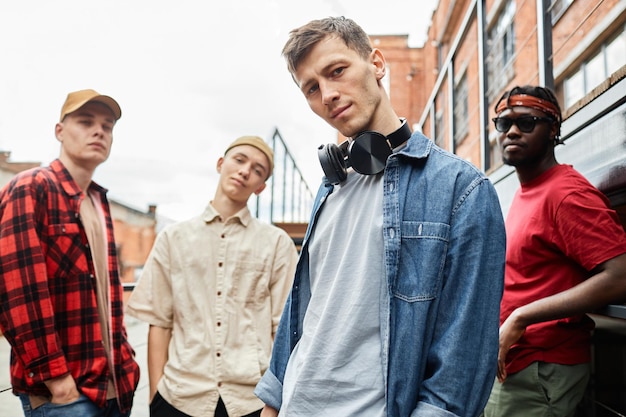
[(525, 124)]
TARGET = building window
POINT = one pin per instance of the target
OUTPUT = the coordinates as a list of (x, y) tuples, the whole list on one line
[(440, 124), (495, 154), (501, 50), (574, 88), (439, 127), (461, 111), (558, 8), (615, 53), (610, 57)]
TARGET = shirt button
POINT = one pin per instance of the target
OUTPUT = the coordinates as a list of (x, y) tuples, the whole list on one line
[(218, 354), (219, 384), (220, 264), (219, 293), (392, 233), (31, 374), (223, 235), (219, 323)]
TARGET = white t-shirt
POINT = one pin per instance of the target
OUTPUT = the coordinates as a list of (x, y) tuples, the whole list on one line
[(336, 368)]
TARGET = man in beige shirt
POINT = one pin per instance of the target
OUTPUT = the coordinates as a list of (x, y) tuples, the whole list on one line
[(213, 290)]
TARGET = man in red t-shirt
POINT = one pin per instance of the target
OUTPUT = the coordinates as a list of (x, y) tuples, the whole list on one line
[(566, 255)]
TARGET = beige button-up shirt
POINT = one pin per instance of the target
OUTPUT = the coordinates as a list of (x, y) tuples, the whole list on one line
[(221, 287)]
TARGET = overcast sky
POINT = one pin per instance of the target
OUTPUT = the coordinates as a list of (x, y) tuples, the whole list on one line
[(190, 76)]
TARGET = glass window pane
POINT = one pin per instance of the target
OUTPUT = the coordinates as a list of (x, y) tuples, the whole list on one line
[(616, 53), (594, 72), (558, 7), (501, 44), (495, 154), (461, 111), (574, 89)]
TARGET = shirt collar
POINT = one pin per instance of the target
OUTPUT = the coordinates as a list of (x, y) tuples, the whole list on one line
[(418, 146), (243, 215), (67, 182)]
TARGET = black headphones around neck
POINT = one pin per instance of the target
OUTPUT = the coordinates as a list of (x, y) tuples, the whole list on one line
[(367, 154)]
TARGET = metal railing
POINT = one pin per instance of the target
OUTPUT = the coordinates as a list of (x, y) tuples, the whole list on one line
[(289, 199)]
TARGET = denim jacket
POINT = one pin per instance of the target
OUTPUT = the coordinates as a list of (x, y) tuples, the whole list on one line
[(444, 244)]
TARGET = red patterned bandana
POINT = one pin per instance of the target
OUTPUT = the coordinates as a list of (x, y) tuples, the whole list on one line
[(531, 102)]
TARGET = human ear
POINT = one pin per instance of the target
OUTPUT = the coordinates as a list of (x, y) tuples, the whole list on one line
[(261, 188), (555, 132), (58, 130), (378, 60)]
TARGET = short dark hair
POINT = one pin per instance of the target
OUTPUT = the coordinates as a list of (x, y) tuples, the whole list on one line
[(303, 39)]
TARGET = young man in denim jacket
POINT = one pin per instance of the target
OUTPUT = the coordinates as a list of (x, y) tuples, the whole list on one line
[(395, 303)]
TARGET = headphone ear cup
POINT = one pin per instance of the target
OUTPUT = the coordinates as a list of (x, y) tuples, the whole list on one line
[(369, 152), (333, 163)]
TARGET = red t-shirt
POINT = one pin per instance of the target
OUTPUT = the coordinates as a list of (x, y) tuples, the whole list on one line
[(559, 228)]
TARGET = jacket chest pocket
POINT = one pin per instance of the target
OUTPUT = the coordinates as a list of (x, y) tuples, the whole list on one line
[(65, 251), (422, 259)]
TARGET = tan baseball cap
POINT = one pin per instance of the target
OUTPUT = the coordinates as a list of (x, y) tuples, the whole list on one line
[(258, 143), (78, 99)]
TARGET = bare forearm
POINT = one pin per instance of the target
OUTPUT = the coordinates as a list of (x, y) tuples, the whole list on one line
[(607, 286), (158, 343)]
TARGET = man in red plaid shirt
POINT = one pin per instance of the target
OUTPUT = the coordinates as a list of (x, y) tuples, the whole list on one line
[(60, 293)]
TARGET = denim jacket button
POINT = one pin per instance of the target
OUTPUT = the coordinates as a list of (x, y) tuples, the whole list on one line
[(392, 233)]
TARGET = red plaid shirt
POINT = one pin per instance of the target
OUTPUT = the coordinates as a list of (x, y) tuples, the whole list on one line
[(48, 310)]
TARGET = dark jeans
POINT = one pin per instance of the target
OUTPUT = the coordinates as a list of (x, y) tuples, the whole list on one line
[(161, 408)]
